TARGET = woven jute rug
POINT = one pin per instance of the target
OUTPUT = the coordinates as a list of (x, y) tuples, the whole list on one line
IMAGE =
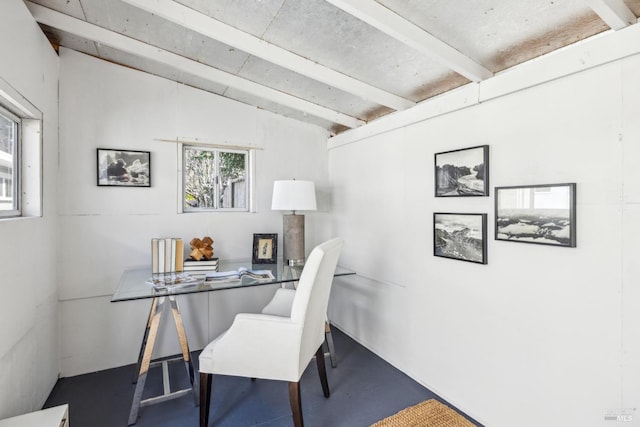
[(429, 413)]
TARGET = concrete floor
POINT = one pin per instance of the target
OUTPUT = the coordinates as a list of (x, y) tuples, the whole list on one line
[(364, 389)]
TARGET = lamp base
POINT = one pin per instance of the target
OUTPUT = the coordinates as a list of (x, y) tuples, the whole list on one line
[(293, 234)]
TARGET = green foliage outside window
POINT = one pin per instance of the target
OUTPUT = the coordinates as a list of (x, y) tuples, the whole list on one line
[(214, 179)]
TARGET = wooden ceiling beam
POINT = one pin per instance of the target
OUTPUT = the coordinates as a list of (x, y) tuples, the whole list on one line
[(214, 29), (117, 41), (615, 13), (392, 24)]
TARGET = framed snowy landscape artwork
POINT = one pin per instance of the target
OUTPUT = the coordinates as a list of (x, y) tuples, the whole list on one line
[(124, 168), (461, 236), (463, 172), (542, 214)]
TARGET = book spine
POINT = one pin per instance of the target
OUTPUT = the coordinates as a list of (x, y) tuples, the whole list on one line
[(172, 260), (179, 255), (199, 263), (203, 268), (161, 256), (154, 256), (167, 255)]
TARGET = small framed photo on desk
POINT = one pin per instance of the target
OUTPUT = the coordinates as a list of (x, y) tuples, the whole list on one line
[(265, 249)]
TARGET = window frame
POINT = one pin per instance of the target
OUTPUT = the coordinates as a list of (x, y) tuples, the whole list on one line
[(30, 165), (216, 149), (16, 211)]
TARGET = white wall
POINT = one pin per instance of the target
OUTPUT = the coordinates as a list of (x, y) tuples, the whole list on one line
[(541, 336), (29, 303), (103, 230)]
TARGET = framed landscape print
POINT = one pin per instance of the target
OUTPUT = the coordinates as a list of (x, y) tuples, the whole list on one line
[(265, 249), (124, 168), (542, 214), (463, 172), (461, 236)]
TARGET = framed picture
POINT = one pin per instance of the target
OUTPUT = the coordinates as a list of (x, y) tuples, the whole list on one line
[(461, 236), (462, 172), (542, 214), (124, 168), (265, 248)]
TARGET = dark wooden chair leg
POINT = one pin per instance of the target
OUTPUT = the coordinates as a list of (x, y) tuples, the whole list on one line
[(296, 404), (322, 371), (205, 398)]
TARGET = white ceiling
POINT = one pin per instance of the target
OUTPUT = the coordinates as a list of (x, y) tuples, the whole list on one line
[(335, 63)]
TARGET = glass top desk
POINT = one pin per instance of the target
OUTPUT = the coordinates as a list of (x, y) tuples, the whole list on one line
[(133, 286)]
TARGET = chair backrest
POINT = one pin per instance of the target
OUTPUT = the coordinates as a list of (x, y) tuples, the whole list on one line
[(312, 295)]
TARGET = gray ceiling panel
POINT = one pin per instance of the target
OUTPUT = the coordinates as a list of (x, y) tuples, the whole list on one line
[(251, 16), (323, 33), (162, 70), (268, 74), (146, 27), (495, 33), (132, 61), (483, 29), (276, 108)]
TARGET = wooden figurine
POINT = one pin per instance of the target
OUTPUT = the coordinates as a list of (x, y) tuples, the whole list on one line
[(201, 249)]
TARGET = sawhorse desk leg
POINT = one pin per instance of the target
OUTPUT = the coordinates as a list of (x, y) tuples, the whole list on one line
[(145, 362)]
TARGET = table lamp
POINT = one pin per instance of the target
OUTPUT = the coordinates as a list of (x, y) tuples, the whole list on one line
[(293, 196)]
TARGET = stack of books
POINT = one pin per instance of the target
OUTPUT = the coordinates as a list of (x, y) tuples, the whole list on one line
[(191, 264), (167, 255)]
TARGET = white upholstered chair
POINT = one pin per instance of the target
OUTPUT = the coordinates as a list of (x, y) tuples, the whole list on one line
[(280, 305), (272, 347)]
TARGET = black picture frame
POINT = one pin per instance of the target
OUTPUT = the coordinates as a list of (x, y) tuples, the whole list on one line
[(543, 214), (460, 236), (463, 172), (123, 168), (265, 249)]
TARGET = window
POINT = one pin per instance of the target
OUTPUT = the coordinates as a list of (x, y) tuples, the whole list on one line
[(215, 179), (20, 155), (9, 164)]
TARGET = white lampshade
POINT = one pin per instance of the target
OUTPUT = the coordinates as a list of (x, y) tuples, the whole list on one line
[(293, 196)]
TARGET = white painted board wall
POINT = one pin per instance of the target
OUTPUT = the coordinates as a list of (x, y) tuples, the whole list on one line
[(106, 229), (28, 261), (541, 336)]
